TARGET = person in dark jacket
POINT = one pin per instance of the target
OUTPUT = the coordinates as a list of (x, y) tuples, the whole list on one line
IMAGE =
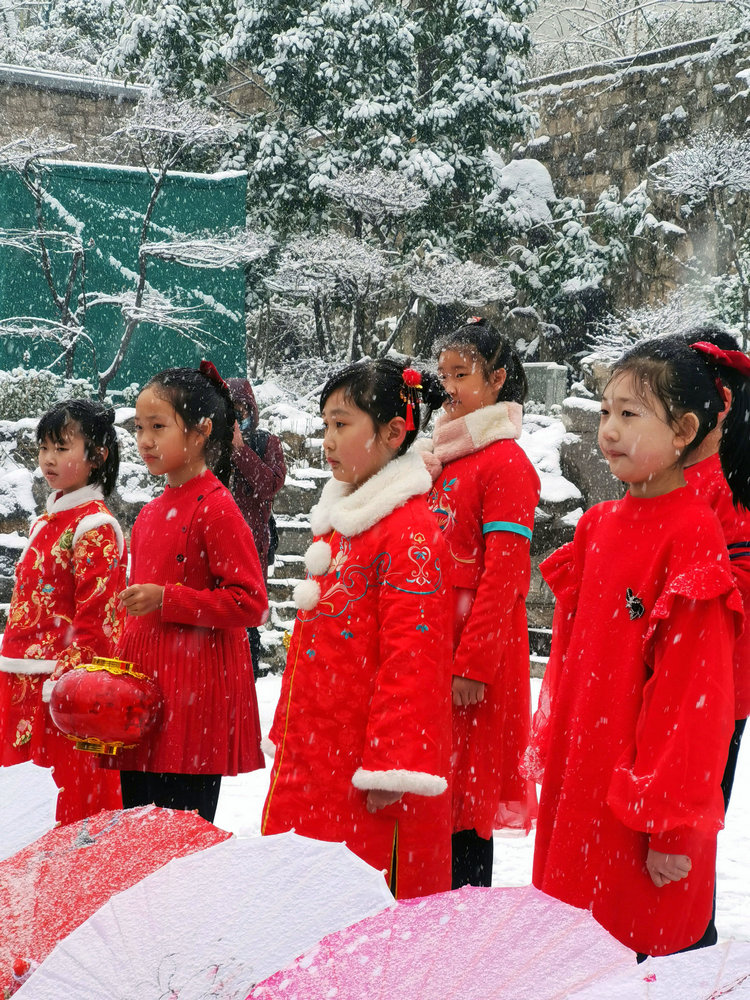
[(258, 473)]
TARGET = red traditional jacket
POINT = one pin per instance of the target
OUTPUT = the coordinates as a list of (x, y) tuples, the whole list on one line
[(635, 716), (708, 481), (64, 611), (484, 499), (365, 698), (193, 541)]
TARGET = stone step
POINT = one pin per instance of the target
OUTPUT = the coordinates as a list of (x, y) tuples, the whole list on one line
[(300, 492), (281, 589), (286, 565), (294, 535)]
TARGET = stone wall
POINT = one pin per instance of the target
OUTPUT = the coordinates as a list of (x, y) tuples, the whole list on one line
[(603, 125), (77, 109)]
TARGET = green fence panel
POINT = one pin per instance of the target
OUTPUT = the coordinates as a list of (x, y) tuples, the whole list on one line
[(105, 206)]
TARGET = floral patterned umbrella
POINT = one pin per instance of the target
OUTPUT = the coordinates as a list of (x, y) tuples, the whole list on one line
[(54, 884)]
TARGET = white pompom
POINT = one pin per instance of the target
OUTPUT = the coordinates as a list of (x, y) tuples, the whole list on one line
[(307, 594), (318, 558)]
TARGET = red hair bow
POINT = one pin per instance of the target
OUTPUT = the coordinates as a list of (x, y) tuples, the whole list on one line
[(731, 359), (208, 368)]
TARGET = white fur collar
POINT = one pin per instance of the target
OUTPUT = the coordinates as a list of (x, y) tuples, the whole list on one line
[(453, 439), (350, 512), (57, 501)]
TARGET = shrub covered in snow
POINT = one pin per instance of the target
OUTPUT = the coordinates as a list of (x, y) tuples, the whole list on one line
[(25, 392)]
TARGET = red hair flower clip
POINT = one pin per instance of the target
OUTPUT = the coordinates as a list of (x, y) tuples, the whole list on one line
[(410, 394), (208, 368)]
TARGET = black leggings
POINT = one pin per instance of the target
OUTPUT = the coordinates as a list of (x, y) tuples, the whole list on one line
[(472, 859), (199, 792)]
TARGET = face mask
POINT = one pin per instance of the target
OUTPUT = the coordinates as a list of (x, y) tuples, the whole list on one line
[(247, 424)]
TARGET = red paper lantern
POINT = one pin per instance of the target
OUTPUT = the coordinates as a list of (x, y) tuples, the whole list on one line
[(105, 706)]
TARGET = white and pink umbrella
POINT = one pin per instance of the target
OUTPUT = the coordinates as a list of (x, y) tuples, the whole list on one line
[(471, 944)]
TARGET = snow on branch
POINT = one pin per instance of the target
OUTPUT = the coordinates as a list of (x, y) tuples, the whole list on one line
[(28, 240), (161, 127), (444, 280), (155, 308), (376, 194), (317, 266), (711, 161), (19, 154), (233, 250), (617, 333)]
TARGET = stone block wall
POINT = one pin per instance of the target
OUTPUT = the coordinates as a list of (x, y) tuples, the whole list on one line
[(603, 125), (77, 109)]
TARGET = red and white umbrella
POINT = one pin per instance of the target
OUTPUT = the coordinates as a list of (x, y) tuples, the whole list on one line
[(52, 885), (471, 944), (212, 924)]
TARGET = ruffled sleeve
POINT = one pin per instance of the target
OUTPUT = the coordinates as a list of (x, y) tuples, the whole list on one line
[(562, 576), (667, 783)]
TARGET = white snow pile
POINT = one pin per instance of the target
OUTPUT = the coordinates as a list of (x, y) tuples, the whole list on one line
[(541, 438)]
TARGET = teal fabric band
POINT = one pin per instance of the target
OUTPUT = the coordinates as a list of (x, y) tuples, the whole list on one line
[(512, 527)]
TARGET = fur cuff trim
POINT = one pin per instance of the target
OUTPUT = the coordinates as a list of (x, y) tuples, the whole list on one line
[(417, 782), (351, 512), (463, 436), (18, 665), (47, 690), (93, 521), (318, 558), (67, 501), (268, 748), (307, 594)]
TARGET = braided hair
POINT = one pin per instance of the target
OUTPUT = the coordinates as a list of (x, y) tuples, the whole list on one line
[(198, 395)]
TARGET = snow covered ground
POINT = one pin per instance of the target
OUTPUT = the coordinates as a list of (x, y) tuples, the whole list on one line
[(241, 802), (27, 796)]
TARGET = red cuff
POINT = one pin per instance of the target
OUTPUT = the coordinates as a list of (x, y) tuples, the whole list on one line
[(677, 841)]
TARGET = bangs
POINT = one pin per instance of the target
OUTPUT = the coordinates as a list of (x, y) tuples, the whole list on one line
[(56, 425)]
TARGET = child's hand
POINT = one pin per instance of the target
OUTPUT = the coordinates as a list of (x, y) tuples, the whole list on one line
[(142, 598), (377, 798), (237, 440), (666, 868), (467, 692)]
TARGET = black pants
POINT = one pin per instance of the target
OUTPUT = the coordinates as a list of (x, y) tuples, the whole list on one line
[(199, 792), (710, 936), (472, 859), (253, 636)]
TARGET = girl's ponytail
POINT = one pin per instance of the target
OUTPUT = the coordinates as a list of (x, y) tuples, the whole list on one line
[(731, 368), (222, 468)]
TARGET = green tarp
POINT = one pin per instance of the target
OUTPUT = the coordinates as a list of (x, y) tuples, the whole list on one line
[(105, 206)]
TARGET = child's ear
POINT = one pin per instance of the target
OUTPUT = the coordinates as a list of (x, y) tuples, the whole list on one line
[(205, 426), (687, 427), (99, 456), (394, 433), (497, 378)]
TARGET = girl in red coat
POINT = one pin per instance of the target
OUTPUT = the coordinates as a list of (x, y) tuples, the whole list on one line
[(361, 735), (485, 498), (64, 608), (637, 707), (196, 584)]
